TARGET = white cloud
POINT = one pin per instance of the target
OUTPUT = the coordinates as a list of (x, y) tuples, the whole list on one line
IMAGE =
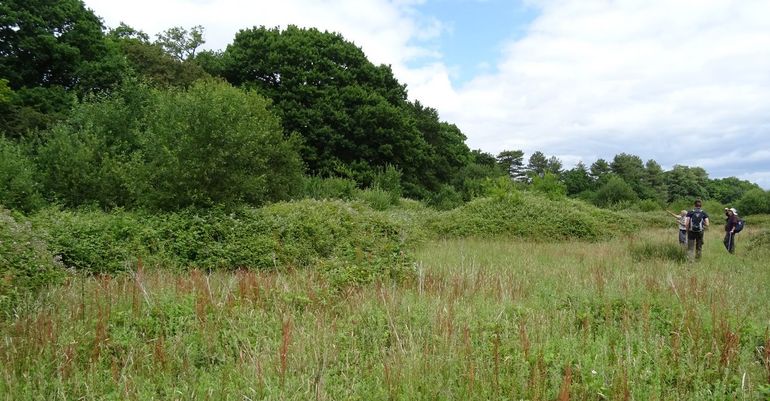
[(681, 82), (678, 81)]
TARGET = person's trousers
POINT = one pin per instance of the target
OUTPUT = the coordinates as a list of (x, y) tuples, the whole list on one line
[(729, 242), (683, 237), (694, 244)]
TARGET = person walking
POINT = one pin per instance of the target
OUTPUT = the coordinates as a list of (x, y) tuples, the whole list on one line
[(681, 220), (730, 224), (697, 221)]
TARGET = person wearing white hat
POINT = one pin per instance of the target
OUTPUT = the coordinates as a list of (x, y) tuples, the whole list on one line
[(730, 224)]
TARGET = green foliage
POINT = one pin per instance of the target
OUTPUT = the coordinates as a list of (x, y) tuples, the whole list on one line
[(332, 236), (18, 186), (181, 43), (533, 217), (48, 48), (754, 201), (577, 180), (389, 179), (93, 241), (550, 186), (150, 61), (348, 111), (446, 198), (759, 243), (208, 145), (500, 188), (614, 190), (319, 188), (212, 144), (667, 251), (685, 182), (376, 198), (647, 205), (26, 264)]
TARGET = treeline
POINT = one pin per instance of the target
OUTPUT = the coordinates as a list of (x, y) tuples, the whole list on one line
[(113, 118)]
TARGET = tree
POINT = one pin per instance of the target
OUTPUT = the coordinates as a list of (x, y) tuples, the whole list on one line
[(353, 116), (538, 164), (49, 49), (180, 43), (577, 179), (754, 201), (151, 62), (18, 187), (211, 144), (685, 182), (549, 185), (553, 166), (730, 189), (631, 169), (512, 162), (600, 169), (614, 191), (655, 181)]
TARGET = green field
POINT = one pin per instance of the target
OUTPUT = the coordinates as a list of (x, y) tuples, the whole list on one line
[(481, 319)]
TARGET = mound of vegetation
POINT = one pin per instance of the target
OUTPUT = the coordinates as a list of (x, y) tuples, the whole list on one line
[(668, 251), (534, 217), (25, 261), (349, 241)]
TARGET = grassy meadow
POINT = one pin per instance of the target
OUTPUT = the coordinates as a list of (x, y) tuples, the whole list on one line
[(481, 319)]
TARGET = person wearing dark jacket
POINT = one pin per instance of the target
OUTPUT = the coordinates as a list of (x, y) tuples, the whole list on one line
[(696, 222), (730, 224)]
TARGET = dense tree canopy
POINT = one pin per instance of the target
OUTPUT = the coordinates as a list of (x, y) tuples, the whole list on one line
[(353, 116), (49, 51)]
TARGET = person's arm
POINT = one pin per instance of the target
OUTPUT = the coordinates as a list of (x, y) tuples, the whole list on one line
[(706, 222)]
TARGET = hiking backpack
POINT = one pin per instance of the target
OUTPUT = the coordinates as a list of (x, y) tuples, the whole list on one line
[(696, 221), (739, 226)]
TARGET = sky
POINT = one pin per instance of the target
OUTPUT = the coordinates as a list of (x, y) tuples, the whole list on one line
[(678, 81)]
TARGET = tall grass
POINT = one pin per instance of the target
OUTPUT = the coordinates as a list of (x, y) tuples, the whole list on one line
[(481, 319)]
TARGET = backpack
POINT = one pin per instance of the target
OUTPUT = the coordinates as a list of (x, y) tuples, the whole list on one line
[(696, 221), (739, 225)]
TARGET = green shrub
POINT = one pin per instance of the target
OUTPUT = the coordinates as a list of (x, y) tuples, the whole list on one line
[(26, 264), (18, 186), (93, 241), (446, 198), (315, 187), (333, 236), (531, 216), (615, 190), (755, 201), (550, 186), (647, 205), (668, 251), (166, 150), (377, 199), (389, 179)]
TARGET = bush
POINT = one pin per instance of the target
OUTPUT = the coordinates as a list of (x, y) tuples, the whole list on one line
[(167, 150), (550, 186), (18, 188), (377, 199), (26, 264), (315, 187), (615, 190), (661, 251), (755, 201), (331, 235), (446, 198), (647, 205), (209, 145), (531, 216)]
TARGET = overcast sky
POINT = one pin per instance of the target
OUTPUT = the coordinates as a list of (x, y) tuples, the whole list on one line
[(679, 81)]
